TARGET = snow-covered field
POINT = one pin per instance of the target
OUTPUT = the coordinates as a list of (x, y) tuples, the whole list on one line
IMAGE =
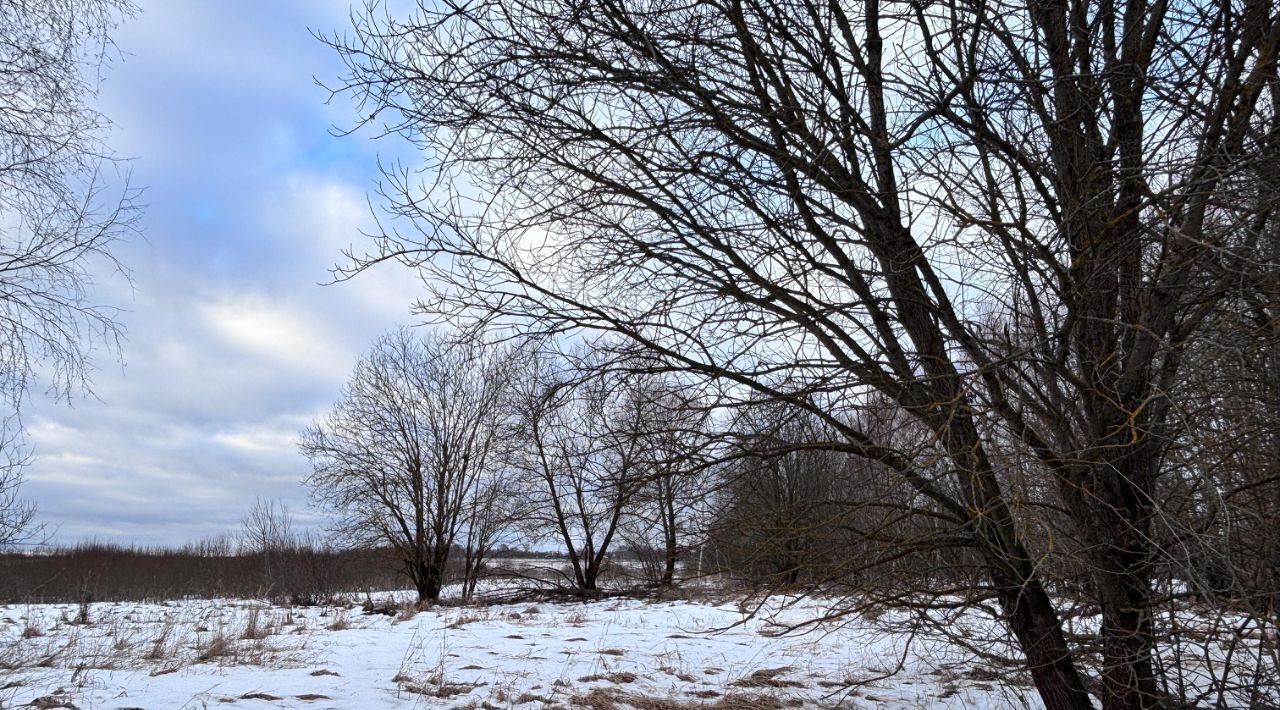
[(617, 653)]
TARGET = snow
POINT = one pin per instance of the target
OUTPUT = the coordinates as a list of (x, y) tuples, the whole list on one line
[(594, 654)]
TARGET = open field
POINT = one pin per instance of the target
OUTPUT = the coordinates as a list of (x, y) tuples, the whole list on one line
[(612, 653)]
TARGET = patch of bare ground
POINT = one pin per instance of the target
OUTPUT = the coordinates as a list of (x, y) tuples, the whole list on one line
[(678, 674), (50, 702)]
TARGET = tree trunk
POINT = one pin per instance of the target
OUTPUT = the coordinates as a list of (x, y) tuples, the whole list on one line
[(670, 545), (430, 580), (1035, 624), (668, 568), (1121, 576), (1027, 608), (1128, 675)]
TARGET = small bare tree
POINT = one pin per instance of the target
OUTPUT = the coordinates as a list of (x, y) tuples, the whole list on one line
[(492, 510), (403, 454), (581, 458), (266, 531), (670, 500)]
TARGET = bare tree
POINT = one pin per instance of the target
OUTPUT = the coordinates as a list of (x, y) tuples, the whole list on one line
[(493, 510), (16, 516), (583, 455), (668, 507), (267, 532), (403, 455), (1010, 219), (58, 218)]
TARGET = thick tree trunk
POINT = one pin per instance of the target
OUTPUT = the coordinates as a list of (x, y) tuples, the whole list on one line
[(1036, 625), (429, 580), (1121, 577), (670, 548), (1128, 675), (1027, 608), (668, 568)]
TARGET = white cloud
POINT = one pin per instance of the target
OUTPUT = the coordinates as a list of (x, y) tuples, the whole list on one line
[(276, 334)]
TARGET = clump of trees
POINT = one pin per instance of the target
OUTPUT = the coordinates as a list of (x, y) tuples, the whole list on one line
[(218, 568), (1040, 237), (441, 448)]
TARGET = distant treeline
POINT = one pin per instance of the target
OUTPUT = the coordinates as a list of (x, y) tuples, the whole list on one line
[(103, 571)]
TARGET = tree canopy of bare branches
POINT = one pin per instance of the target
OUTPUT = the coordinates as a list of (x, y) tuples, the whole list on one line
[(1013, 220), (58, 218), (582, 456), (408, 449)]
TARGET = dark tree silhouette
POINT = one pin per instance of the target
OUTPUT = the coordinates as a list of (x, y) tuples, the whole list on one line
[(1012, 220)]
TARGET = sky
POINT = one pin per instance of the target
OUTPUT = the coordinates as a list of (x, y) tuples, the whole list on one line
[(234, 342)]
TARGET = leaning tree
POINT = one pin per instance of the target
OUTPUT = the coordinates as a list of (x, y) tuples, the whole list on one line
[(1012, 219)]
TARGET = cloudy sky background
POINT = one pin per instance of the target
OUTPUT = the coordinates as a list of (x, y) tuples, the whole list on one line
[(233, 343)]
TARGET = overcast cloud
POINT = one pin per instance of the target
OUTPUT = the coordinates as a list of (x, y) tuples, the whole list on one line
[(232, 345)]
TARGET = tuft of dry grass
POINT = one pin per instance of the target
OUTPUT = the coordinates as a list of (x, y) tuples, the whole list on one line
[(254, 630), (340, 622), (160, 646), (467, 618), (767, 678), (217, 647), (618, 677), (407, 612), (438, 690)]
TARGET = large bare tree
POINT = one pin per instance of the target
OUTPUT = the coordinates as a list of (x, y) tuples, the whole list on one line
[(405, 453), (1010, 219), (59, 215)]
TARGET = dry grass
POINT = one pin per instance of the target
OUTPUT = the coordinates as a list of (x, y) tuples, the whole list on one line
[(465, 618), (218, 646), (254, 630), (340, 622), (435, 687), (616, 677), (613, 699), (407, 612), (767, 678)]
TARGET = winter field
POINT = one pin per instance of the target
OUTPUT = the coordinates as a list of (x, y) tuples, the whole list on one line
[(622, 653)]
